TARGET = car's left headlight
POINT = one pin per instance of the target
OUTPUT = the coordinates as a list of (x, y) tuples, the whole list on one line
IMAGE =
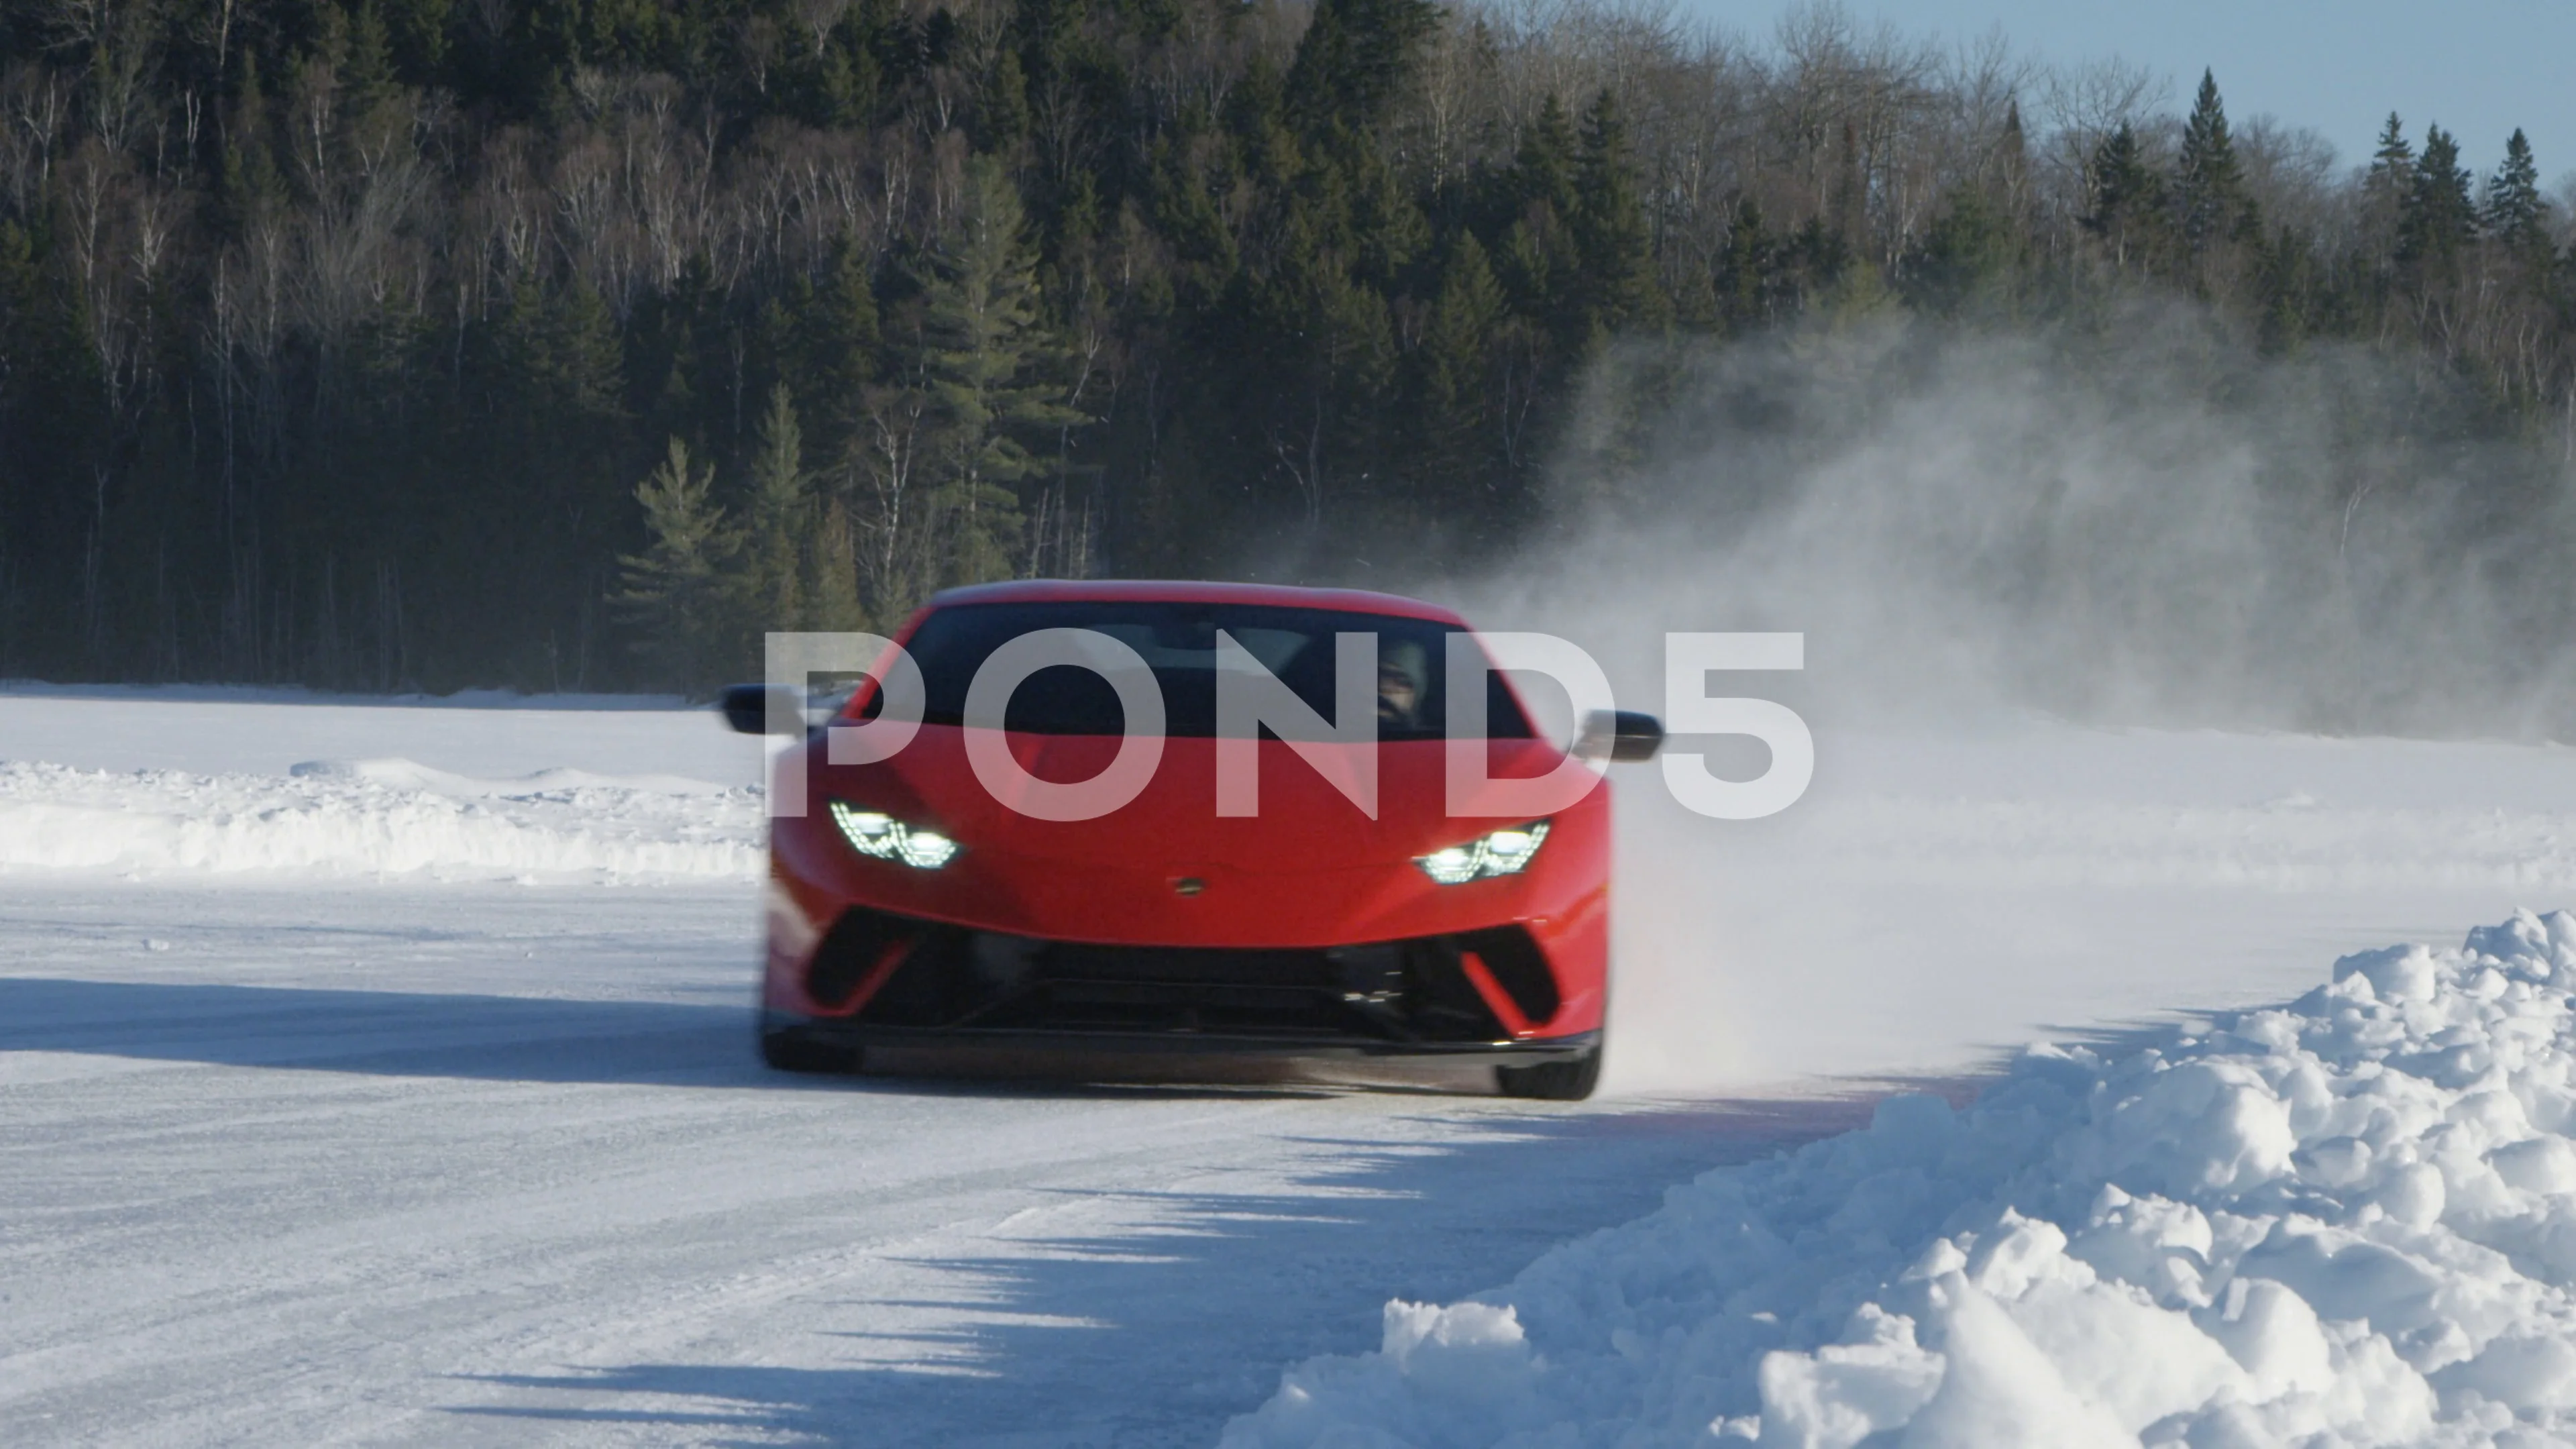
[(1504, 852), (875, 833)]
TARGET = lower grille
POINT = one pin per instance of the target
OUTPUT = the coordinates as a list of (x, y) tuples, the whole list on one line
[(888, 970)]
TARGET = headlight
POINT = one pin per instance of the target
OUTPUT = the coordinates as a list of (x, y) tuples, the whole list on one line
[(1504, 852), (886, 838)]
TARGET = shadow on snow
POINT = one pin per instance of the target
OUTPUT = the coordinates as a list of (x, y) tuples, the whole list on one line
[(1157, 1337), (1148, 1338), (520, 1039)]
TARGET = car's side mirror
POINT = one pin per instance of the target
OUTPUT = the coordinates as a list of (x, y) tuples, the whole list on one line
[(1622, 736), (748, 708)]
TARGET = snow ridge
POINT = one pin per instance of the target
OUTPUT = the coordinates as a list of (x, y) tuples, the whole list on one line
[(376, 818), (2350, 1221)]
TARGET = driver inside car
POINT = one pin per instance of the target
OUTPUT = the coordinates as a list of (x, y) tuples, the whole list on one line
[(1401, 671)]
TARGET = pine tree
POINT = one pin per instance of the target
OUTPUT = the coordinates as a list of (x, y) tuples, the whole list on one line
[(250, 185), (1002, 108), (774, 566), (1356, 57), (1543, 169), (417, 32), (1191, 225), (573, 355), (2439, 220), (1612, 242), (1816, 261), (1463, 317), (2285, 291), (2012, 163), (1453, 364), (798, 565), (1388, 229), (1965, 251), (984, 363), (676, 592), (2516, 215), (1745, 280), (1539, 261), (2209, 183), (2386, 186), (832, 595), (366, 72), (837, 346), (579, 370), (2392, 164), (2127, 199)]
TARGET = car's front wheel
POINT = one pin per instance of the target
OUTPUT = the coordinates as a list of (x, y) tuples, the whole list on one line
[(792, 1051), (1569, 1081)]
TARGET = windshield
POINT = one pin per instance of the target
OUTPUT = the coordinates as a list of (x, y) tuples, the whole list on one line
[(1178, 642)]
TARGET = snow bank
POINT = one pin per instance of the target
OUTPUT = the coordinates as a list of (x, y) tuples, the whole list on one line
[(377, 817), (2351, 1221), (411, 775), (213, 731), (293, 694)]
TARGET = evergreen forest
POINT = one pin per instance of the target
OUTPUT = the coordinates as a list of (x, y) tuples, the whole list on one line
[(568, 344)]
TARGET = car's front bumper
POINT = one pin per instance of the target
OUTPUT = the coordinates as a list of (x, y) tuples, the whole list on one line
[(879, 977), (852, 1034)]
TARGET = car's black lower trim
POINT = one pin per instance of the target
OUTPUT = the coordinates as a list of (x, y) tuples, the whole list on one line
[(861, 1036), (893, 973)]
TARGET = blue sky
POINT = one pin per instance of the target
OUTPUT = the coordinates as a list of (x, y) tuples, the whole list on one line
[(2479, 67)]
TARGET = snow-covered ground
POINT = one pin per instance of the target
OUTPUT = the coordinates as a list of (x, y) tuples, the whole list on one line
[(2350, 1221), (379, 1073), (494, 1165)]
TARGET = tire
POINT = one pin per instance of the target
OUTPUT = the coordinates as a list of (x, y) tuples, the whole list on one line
[(1552, 1081), (791, 1051)]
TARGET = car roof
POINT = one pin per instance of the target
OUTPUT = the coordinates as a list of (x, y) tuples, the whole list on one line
[(1188, 591)]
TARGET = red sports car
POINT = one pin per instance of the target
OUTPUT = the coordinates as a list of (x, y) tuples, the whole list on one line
[(925, 898)]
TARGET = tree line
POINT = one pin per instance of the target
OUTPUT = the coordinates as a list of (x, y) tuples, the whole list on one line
[(571, 343)]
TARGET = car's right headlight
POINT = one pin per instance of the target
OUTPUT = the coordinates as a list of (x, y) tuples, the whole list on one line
[(1503, 852), (875, 833)]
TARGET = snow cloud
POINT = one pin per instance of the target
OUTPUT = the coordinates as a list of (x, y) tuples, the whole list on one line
[(2134, 520)]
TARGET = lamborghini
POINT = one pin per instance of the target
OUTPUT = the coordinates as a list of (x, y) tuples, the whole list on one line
[(1329, 902)]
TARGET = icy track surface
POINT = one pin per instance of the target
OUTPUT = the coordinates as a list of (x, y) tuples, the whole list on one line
[(476, 1166), (2347, 1222)]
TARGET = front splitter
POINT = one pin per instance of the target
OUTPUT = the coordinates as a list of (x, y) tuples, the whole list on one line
[(1522, 1052)]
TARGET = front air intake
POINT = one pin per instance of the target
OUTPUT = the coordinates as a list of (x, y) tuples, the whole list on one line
[(926, 976)]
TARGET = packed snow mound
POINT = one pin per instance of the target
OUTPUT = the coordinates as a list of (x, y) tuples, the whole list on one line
[(403, 774), (296, 694), (377, 818), (2351, 1221)]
